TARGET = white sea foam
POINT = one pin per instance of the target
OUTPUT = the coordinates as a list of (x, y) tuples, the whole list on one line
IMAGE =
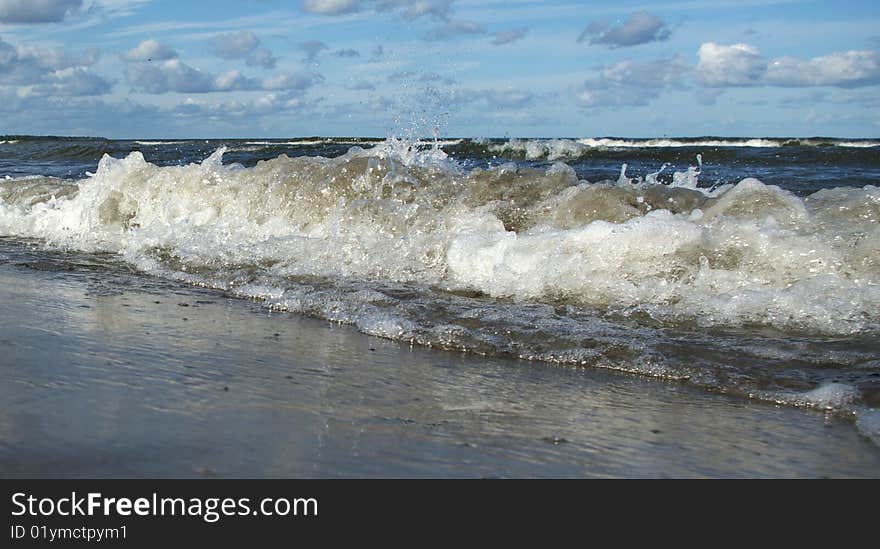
[(742, 255), (282, 143), (868, 424), (829, 396), (556, 149), (658, 143), (156, 143)]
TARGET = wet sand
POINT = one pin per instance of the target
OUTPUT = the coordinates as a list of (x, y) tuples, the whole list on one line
[(114, 374)]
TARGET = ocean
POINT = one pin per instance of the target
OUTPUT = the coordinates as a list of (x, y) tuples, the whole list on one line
[(747, 267)]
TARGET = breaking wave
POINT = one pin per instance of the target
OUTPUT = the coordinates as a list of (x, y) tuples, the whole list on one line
[(404, 242)]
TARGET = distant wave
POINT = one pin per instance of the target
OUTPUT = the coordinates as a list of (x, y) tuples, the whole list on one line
[(296, 143), (555, 149), (725, 142), (158, 143)]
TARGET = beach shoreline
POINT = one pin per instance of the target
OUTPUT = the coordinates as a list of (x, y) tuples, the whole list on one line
[(111, 373)]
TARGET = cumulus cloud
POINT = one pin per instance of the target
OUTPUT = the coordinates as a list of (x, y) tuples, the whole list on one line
[(454, 29), (639, 28), (849, 69), (311, 49), (413, 9), (268, 104), (743, 65), (29, 64), (262, 58), (243, 45), (73, 82), (291, 81), (734, 65), (49, 71), (632, 83), (330, 7), (37, 11), (235, 45), (508, 36), (173, 75), (150, 50)]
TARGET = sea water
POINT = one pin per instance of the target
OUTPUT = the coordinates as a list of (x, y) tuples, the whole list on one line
[(743, 266)]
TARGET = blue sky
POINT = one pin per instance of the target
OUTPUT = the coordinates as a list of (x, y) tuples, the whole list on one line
[(476, 68)]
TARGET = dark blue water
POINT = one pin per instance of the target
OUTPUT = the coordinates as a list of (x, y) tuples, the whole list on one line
[(801, 166)]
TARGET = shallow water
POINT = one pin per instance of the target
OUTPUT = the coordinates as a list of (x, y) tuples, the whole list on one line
[(110, 373)]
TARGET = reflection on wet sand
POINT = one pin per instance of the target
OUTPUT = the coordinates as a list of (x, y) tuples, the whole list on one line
[(116, 374)]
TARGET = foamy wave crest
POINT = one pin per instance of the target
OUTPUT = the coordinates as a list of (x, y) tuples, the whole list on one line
[(557, 149), (158, 143), (399, 214)]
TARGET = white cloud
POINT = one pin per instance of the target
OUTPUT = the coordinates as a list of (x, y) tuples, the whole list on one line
[(311, 48), (33, 61), (743, 65), (632, 83), (508, 36), (235, 45), (234, 81), (36, 71), (841, 69), (413, 9), (330, 7), (268, 104), (734, 65), (150, 50), (37, 11), (291, 81), (74, 81), (639, 28), (243, 45), (454, 29), (262, 58), (173, 75)]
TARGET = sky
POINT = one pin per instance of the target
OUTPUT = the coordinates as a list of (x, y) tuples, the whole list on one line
[(466, 68)]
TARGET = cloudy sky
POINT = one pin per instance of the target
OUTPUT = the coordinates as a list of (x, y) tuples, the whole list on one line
[(481, 68)]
